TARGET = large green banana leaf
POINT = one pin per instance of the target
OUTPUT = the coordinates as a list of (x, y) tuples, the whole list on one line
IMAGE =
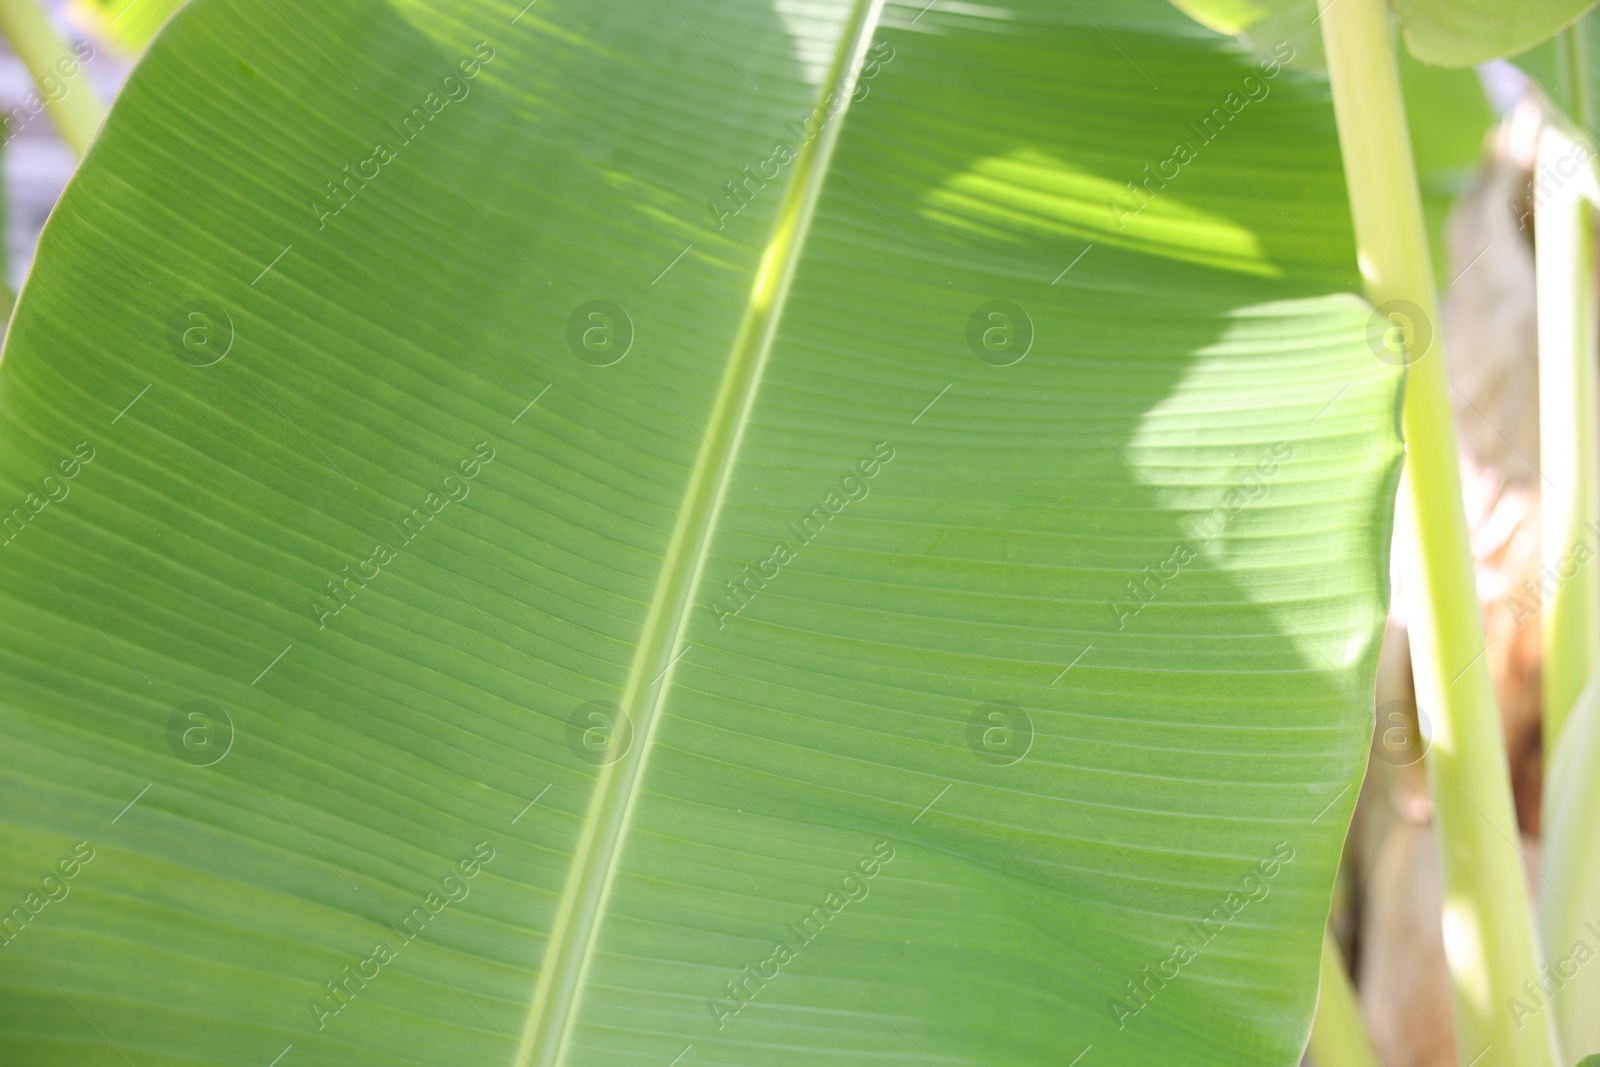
[(1460, 33), (439, 628)]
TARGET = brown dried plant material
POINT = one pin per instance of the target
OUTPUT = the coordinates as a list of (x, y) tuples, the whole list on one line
[(1400, 968), (1405, 991)]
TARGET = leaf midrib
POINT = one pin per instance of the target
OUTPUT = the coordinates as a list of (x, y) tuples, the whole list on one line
[(579, 916)]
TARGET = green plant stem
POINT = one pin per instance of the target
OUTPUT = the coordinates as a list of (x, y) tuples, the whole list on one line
[(77, 112), (1488, 925), (1569, 511), (1564, 249), (1575, 69), (1570, 904), (1338, 1036)]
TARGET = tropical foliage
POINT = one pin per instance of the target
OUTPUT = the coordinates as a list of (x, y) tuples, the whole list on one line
[(705, 533)]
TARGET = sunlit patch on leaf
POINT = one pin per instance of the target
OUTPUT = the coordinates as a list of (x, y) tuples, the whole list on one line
[(1026, 193)]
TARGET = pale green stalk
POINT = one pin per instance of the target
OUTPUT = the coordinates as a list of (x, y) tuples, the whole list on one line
[(1488, 926), (1338, 1036), (77, 112), (1569, 511), (1569, 916)]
